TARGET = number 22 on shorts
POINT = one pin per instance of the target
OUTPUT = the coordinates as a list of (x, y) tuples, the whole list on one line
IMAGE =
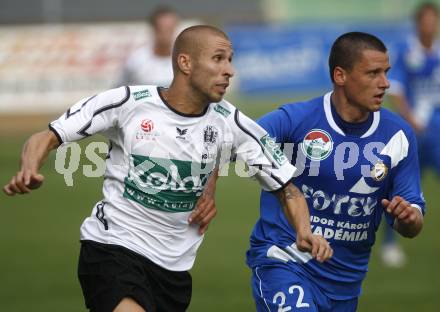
[(280, 299)]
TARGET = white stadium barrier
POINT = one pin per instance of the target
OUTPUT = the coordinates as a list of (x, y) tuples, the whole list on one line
[(47, 68)]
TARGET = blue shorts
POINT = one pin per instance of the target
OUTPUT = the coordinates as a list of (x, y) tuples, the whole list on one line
[(279, 288)]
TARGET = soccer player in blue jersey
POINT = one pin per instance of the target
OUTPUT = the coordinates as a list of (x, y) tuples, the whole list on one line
[(415, 93), (357, 162), (415, 82)]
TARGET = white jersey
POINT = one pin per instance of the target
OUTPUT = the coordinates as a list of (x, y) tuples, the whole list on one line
[(145, 67), (159, 162)]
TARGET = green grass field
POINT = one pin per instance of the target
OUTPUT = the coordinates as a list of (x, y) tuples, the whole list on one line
[(39, 244)]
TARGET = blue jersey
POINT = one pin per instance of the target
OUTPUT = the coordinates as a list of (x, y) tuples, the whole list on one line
[(343, 177), (415, 74)]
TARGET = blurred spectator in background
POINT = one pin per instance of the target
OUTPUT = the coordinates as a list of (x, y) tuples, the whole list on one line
[(151, 64), (415, 93)]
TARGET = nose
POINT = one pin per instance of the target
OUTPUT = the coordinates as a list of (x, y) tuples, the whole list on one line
[(384, 82), (229, 70)]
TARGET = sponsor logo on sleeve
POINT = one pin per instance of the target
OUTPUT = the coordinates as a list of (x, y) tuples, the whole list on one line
[(221, 110), (273, 148), (141, 94)]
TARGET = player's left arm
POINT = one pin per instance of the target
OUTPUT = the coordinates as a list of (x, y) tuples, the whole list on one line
[(405, 204), (408, 218), (205, 209)]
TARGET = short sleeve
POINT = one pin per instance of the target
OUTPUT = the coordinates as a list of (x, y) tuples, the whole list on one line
[(90, 115), (406, 177), (258, 150), (277, 124)]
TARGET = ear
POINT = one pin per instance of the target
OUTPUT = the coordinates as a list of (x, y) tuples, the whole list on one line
[(184, 63), (339, 76)]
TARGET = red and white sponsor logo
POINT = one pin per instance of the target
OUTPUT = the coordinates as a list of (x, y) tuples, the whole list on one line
[(147, 125), (317, 144)]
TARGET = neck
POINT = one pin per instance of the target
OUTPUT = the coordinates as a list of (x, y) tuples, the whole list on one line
[(183, 99), (347, 111)]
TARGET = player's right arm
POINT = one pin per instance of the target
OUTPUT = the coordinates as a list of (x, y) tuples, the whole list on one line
[(297, 213), (33, 156), (91, 115), (274, 172), (279, 124)]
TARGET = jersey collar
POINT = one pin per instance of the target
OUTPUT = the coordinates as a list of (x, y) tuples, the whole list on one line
[(335, 127), (158, 89)]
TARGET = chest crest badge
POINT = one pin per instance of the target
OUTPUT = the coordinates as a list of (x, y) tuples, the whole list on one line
[(379, 171), (210, 134)]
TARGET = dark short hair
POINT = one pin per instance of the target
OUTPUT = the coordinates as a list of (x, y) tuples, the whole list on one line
[(158, 12), (423, 8), (348, 48)]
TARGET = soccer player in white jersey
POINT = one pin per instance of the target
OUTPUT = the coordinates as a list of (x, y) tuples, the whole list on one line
[(151, 63), (137, 245)]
